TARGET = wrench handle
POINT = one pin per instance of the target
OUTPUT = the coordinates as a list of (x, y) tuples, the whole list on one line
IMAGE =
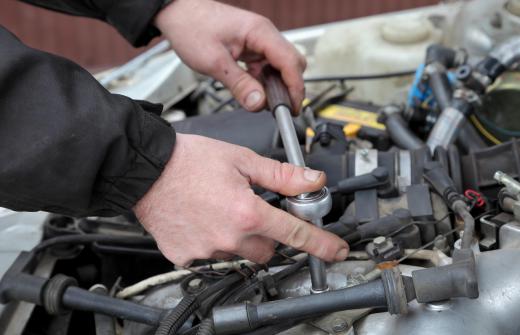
[(275, 88)]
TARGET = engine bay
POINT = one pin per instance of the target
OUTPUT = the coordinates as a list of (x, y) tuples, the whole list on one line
[(419, 144)]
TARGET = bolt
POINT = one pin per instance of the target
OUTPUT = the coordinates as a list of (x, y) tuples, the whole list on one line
[(379, 241), (340, 326), (195, 283), (365, 154)]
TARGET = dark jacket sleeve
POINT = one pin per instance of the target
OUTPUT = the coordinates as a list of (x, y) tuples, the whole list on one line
[(132, 18), (66, 144)]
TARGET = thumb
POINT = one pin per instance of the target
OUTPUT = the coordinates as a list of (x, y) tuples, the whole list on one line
[(244, 87), (283, 178)]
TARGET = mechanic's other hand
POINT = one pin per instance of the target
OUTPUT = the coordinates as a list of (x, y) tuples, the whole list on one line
[(211, 37), (202, 206)]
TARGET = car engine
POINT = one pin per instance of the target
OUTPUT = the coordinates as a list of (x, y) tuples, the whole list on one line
[(419, 144)]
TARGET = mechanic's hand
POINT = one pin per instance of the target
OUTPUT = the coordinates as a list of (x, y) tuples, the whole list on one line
[(202, 206), (211, 37)]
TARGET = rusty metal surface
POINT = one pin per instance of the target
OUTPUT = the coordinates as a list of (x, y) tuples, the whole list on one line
[(96, 45)]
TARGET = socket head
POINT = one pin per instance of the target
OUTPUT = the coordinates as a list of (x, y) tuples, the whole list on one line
[(313, 206)]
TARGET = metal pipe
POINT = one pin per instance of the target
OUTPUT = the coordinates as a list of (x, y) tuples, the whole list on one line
[(317, 269), (289, 137)]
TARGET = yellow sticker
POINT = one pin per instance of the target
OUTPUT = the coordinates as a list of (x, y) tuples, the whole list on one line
[(352, 115)]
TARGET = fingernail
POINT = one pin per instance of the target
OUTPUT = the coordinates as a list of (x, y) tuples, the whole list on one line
[(311, 175), (342, 255), (253, 99)]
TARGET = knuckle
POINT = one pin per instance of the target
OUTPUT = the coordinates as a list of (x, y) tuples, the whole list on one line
[(228, 245), (283, 173), (239, 84), (247, 216), (298, 236), (219, 60), (260, 21)]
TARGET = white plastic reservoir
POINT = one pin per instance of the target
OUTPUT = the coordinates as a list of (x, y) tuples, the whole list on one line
[(372, 46)]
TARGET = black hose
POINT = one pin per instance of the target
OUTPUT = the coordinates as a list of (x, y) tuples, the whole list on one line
[(237, 319), (105, 325), (441, 88), (352, 237), (76, 298), (437, 53), (33, 289), (361, 77), (399, 131), (206, 327)]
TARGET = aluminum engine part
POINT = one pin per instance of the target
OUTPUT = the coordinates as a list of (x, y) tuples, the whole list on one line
[(167, 296), (494, 312), (509, 235)]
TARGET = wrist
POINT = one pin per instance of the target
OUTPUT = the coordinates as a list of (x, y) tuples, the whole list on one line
[(166, 15)]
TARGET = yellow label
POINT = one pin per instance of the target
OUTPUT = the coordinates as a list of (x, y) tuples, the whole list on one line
[(352, 115)]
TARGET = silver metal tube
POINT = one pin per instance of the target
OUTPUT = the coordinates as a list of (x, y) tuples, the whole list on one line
[(508, 52), (317, 269), (289, 137)]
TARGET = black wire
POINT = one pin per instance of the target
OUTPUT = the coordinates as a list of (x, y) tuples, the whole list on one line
[(400, 229), (361, 77), (222, 105), (91, 238), (289, 270)]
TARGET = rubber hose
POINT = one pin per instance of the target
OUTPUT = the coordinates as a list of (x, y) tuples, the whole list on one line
[(400, 133), (441, 89), (206, 327)]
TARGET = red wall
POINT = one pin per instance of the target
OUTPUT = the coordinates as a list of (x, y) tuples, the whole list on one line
[(95, 45)]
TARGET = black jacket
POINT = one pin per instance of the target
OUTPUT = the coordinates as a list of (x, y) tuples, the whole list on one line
[(67, 145)]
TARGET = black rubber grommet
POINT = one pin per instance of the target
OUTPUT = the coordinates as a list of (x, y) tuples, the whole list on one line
[(53, 291)]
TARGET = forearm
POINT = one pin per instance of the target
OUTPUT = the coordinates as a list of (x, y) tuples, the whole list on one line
[(132, 18), (67, 144)]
